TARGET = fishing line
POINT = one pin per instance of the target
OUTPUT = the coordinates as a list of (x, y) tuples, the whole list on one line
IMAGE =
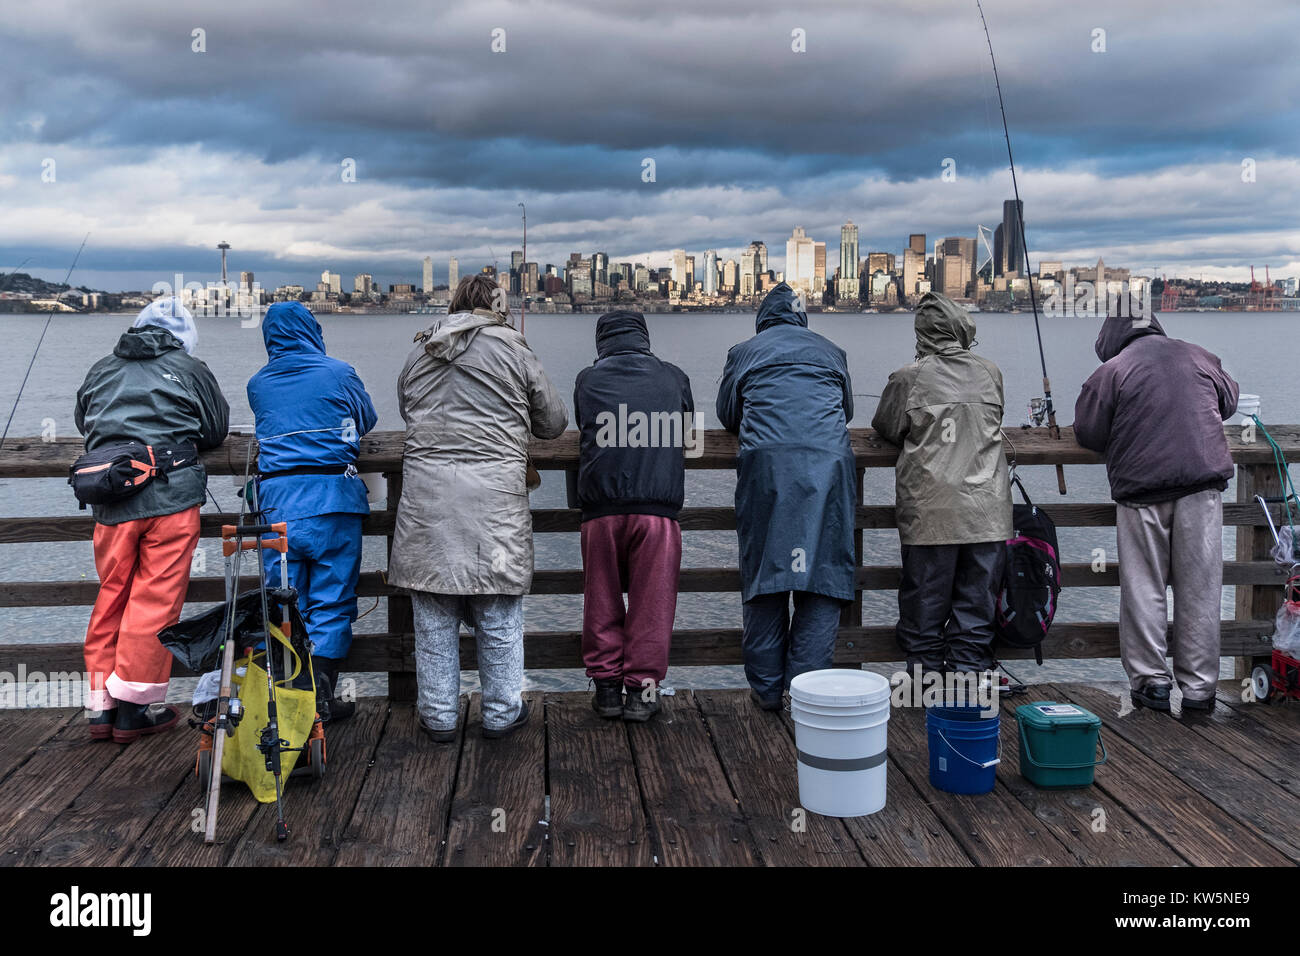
[(1049, 410), (49, 318)]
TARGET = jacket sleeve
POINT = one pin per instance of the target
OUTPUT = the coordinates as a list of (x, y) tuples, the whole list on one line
[(729, 403), (79, 413), (1094, 411), (363, 409), (546, 409), (214, 411), (1228, 389), (571, 474), (890, 420)]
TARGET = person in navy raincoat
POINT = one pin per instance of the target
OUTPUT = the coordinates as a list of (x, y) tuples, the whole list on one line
[(311, 411), (786, 392)]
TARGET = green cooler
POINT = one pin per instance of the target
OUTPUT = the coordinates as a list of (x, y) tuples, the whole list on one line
[(1058, 744)]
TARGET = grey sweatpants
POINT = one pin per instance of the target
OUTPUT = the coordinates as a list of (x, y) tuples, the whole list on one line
[(498, 622), (1177, 543)]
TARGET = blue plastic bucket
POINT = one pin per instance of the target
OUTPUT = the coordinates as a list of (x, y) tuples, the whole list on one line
[(963, 752)]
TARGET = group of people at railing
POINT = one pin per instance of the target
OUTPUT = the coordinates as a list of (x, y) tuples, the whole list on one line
[(472, 394)]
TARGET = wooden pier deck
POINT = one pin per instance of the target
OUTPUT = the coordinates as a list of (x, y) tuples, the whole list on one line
[(709, 782)]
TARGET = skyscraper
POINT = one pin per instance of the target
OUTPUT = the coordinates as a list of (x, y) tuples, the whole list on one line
[(1013, 258), (801, 260), (428, 274), (729, 272), (363, 283), (954, 266), (453, 273), (711, 272), (916, 242), (761, 249), (679, 268), (819, 268), (690, 275), (748, 272), (847, 285), (600, 268)]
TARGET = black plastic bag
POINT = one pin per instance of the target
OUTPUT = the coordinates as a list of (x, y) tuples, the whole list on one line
[(196, 643)]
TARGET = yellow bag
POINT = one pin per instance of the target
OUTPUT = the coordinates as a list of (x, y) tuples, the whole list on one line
[(295, 711)]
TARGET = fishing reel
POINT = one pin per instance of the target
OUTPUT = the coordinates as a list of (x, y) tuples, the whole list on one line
[(1038, 409), (270, 744)]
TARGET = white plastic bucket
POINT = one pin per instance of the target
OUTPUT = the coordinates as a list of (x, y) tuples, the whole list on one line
[(840, 732), (1247, 405)]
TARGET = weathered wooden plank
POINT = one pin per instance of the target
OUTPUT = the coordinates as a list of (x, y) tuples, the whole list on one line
[(1272, 749), (694, 817), (400, 818), (1232, 785), (317, 811), (101, 827), (596, 815), (382, 451), (1089, 822), (498, 812), (212, 589), (35, 794), (566, 520), (172, 839), (22, 732), (759, 759), (993, 828), (1198, 830)]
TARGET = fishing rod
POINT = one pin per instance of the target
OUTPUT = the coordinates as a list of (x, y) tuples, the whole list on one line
[(1047, 410), (49, 318), (523, 279)]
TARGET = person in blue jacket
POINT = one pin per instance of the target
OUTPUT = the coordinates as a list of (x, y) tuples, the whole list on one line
[(786, 392), (311, 411)]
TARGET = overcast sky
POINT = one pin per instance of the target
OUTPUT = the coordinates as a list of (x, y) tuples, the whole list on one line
[(160, 152)]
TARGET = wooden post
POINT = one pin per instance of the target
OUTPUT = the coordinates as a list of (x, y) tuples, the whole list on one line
[(851, 614), (401, 619), (1255, 602)]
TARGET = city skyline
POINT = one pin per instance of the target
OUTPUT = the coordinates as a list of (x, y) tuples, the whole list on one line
[(367, 147)]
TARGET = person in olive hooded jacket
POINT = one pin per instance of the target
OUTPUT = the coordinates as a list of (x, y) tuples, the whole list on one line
[(152, 390), (953, 491)]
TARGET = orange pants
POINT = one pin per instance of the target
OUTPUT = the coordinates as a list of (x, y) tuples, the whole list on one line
[(144, 571)]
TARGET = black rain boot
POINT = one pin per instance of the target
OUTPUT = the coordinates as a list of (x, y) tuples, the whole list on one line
[(330, 707), (608, 699), (140, 720), (101, 723)]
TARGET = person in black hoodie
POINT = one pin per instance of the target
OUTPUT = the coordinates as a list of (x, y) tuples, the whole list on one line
[(635, 417)]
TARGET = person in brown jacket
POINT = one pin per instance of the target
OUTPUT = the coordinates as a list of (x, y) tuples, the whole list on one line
[(1156, 409)]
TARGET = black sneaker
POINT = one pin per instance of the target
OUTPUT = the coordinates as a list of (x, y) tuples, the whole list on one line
[(1202, 704), (608, 699), (494, 733), (140, 720), (637, 709), (1154, 696), (101, 723), (764, 704), (438, 736)]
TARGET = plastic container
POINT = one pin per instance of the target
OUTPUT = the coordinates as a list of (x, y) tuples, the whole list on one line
[(1247, 405), (963, 751), (1058, 745), (841, 720)]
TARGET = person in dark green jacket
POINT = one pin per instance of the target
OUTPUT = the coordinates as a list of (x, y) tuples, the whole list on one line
[(150, 389)]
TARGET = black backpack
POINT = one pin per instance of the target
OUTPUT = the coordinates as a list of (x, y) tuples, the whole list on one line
[(1031, 580)]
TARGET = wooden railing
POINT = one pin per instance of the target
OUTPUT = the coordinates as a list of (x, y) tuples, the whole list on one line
[(1245, 635)]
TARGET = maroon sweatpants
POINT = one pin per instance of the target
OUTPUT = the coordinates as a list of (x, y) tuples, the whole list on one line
[(639, 554)]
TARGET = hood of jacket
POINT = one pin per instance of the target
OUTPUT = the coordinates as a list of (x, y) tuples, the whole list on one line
[(778, 308), (146, 342), (621, 331), (168, 313), (1118, 331), (450, 338), (289, 328), (942, 325)]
